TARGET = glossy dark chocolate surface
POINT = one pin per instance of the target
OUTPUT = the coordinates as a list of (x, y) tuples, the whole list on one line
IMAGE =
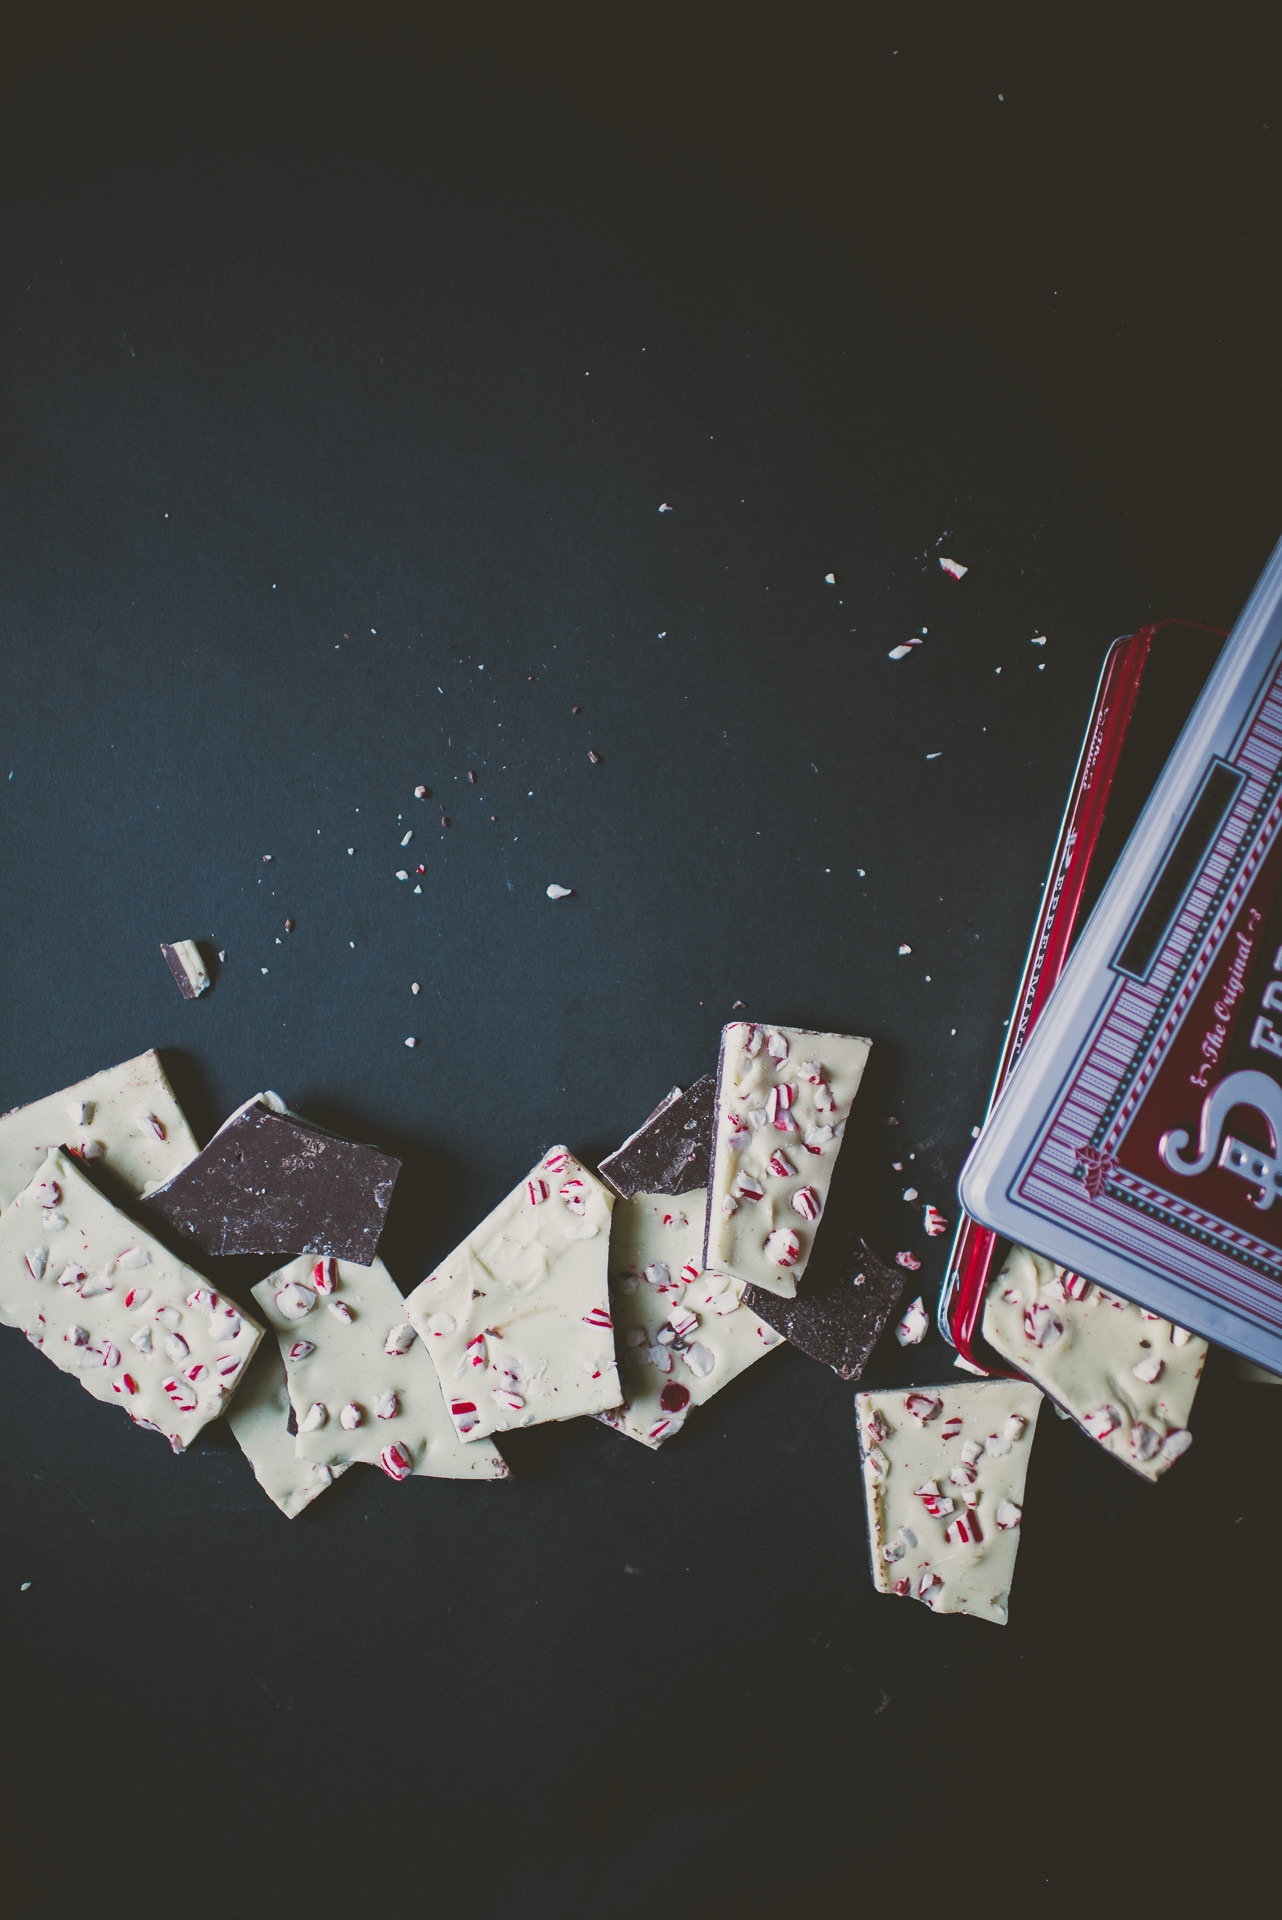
[(670, 1152)]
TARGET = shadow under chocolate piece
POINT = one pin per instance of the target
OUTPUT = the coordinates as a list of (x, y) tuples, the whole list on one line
[(671, 1152), (841, 1311), (270, 1182)]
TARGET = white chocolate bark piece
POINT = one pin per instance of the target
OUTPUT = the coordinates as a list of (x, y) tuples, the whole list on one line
[(1127, 1377), (106, 1302), (944, 1475), (348, 1351), (783, 1096), (1258, 1376), (259, 1418), (126, 1118), (517, 1319), (680, 1334)]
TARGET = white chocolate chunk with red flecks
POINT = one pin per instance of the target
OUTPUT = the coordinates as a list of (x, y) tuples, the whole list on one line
[(259, 1418), (378, 1399), (186, 1346), (945, 1490), (783, 1097), (681, 1334), (1127, 1377), (111, 1118), (517, 1319)]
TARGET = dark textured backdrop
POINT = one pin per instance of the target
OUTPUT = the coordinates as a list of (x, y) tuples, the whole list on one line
[(347, 363)]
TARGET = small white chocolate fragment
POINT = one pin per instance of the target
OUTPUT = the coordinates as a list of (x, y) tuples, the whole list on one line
[(348, 1365), (1127, 1377), (783, 1096), (664, 1305), (83, 1312), (259, 1418), (112, 1102), (944, 1475), (182, 957), (527, 1299)]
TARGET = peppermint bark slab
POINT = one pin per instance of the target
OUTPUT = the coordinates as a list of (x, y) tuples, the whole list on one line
[(671, 1151), (1127, 1377), (270, 1182), (125, 1118), (842, 1311), (944, 1472), (681, 1334), (262, 1422), (783, 1096), (517, 1319), (362, 1386), (106, 1302)]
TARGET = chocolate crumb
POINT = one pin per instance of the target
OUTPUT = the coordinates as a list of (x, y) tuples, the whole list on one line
[(576, 709), (289, 926)]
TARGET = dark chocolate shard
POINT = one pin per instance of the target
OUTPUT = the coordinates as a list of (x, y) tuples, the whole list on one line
[(270, 1182), (841, 1308), (182, 957), (671, 1151)]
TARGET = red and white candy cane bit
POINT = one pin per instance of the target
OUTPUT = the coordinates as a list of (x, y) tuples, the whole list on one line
[(937, 1504), (182, 1395), (48, 1193), (227, 1366), (465, 1417), (683, 1322), (908, 1260), (351, 1417), (878, 1426), (935, 1222), (964, 1531), (1177, 1442), (1149, 1369), (386, 1407), (137, 1297), (690, 1273), (575, 1196), (1102, 1422), (658, 1275), (37, 1260), (36, 1331), (325, 1274), (929, 1588), (150, 1121), (514, 1402), (1041, 1326), (476, 1353), (665, 1428), (783, 1246), (557, 1160), (1144, 1440), (903, 1588), (951, 1429), (752, 1036), (396, 1462), (739, 1131), (341, 1311), (399, 1340), (125, 1385), (300, 1350), (772, 1104), (294, 1302), (133, 1259), (780, 1165), (805, 1201), (748, 1187), (1075, 1288), (598, 1318), (787, 1095), (202, 1299), (1008, 1515), (195, 1373), (777, 1044), (922, 1406), (963, 1475), (536, 1192), (1014, 1427)]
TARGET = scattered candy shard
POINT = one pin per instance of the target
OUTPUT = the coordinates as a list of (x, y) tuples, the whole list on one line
[(950, 1542), (1114, 1368), (529, 1302), (182, 957), (83, 1313), (914, 1326), (664, 1304), (559, 893), (261, 1424), (110, 1118), (954, 567), (671, 1151), (270, 1182), (778, 1089), (347, 1365)]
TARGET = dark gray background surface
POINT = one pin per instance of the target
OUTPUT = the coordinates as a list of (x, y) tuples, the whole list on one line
[(346, 367)]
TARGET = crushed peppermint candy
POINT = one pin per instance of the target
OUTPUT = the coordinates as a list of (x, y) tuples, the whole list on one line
[(914, 1326)]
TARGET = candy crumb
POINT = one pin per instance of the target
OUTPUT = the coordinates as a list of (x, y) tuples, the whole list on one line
[(559, 893)]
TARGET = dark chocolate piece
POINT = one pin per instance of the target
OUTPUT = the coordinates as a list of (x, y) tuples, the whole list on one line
[(182, 957), (841, 1308), (671, 1152), (271, 1183)]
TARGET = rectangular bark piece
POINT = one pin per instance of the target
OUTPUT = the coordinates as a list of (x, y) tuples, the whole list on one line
[(270, 1182)]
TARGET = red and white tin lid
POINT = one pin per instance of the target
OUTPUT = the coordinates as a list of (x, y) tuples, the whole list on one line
[(1139, 1138)]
